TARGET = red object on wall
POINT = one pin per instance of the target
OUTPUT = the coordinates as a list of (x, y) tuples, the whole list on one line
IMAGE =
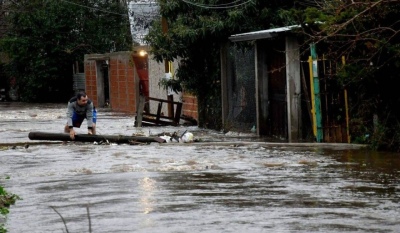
[(143, 72)]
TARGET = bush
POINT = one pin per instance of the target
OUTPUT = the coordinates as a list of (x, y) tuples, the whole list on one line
[(6, 199)]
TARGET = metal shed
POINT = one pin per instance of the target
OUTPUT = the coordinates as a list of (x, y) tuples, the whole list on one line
[(275, 86)]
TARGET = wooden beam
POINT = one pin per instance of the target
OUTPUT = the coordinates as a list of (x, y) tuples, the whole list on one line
[(178, 112), (140, 110), (163, 100), (156, 122), (92, 138), (159, 111)]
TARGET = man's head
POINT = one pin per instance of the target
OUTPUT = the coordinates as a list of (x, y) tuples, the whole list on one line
[(81, 98)]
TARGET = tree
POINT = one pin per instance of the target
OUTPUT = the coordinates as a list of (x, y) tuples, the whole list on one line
[(196, 31), (367, 34), (46, 37)]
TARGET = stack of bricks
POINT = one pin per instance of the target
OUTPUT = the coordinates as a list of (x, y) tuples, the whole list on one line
[(189, 106)]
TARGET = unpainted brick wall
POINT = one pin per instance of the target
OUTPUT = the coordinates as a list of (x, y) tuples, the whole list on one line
[(122, 79), (189, 106), (122, 83), (90, 80)]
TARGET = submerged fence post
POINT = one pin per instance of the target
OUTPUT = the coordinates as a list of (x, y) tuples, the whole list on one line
[(317, 99)]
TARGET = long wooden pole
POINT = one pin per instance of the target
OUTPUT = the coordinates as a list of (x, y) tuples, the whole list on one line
[(314, 118), (92, 138)]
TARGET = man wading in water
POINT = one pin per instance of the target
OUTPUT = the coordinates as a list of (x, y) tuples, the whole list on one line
[(79, 108)]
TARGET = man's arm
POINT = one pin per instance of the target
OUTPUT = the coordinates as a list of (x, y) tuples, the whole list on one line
[(70, 113), (89, 115)]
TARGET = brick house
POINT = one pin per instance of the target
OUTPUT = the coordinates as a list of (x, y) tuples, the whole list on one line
[(119, 78)]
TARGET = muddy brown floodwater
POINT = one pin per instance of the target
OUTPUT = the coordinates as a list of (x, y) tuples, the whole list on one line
[(233, 185)]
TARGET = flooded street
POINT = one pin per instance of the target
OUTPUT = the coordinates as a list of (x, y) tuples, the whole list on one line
[(231, 185)]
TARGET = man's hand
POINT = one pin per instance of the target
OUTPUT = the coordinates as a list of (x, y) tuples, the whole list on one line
[(72, 134), (90, 131)]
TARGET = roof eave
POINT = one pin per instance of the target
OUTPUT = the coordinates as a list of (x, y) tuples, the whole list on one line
[(263, 34), (239, 38)]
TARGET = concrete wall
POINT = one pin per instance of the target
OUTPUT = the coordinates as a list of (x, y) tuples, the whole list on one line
[(156, 73)]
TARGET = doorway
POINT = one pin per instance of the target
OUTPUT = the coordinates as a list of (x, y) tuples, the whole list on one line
[(103, 83), (272, 89)]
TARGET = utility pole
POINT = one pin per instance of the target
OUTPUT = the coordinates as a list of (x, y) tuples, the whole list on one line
[(317, 97)]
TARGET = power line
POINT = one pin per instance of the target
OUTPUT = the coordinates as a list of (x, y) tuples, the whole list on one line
[(94, 8), (130, 10), (217, 5), (233, 4)]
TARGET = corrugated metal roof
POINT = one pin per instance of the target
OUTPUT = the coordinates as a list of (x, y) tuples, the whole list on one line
[(263, 34)]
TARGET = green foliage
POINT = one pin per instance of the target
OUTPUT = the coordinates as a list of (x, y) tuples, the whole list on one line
[(46, 38), (366, 34), (195, 35), (2, 228), (172, 84), (6, 199), (385, 137)]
